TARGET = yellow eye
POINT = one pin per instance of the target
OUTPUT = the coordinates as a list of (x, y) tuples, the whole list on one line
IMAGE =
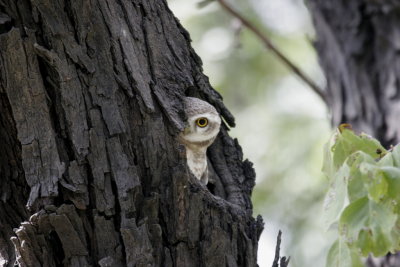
[(202, 122)]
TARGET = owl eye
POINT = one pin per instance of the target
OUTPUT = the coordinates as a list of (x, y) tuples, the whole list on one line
[(202, 122)]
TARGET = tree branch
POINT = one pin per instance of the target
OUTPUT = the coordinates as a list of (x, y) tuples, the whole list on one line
[(283, 261), (267, 42)]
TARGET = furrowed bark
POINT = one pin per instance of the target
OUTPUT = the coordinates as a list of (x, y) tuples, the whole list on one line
[(357, 44), (90, 167)]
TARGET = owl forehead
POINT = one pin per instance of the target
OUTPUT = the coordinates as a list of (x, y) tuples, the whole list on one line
[(195, 106)]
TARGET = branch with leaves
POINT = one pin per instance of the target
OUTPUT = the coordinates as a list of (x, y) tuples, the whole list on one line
[(363, 201)]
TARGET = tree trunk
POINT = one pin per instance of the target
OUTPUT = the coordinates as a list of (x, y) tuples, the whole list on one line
[(358, 43), (91, 170)]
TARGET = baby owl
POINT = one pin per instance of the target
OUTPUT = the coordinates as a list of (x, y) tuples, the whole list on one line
[(202, 127)]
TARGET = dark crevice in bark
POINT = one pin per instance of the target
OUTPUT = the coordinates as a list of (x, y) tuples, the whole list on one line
[(69, 11), (88, 224), (13, 187), (56, 113), (55, 243), (147, 49), (6, 23)]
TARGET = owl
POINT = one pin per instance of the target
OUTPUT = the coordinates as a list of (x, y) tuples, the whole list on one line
[(202, 126)]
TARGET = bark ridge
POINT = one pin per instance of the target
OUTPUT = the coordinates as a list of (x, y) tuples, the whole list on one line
[(91, 104)]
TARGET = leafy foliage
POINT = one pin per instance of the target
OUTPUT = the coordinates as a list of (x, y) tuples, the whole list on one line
[(363, 199)]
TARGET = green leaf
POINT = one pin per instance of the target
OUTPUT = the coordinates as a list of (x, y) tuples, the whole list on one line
[(366, 175), (395, 235), (341, 255), (338, 255), (370, 221), (369, 145), (348, 142), (396, 156), (340, 151), (386, 160), (357, 187), (365, 241), (392, 177), (378, 188), (336, 196), (356, 260), (374, 181), (327, 164)]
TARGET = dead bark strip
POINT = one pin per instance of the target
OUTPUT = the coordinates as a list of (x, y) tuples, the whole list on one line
[(91, 104)]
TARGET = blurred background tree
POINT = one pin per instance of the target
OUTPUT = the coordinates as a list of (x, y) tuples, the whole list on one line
[(281, 123)]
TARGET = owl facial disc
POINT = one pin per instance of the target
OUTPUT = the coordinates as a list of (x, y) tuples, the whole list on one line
[(202, 126)]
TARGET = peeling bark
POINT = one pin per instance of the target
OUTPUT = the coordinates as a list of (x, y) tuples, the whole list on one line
[(91, 170)]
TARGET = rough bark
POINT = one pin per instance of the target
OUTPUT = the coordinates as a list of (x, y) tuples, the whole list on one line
[(90, 168), (358, 43)]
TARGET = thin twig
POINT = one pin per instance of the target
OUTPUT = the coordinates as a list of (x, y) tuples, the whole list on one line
[(277, 250), (275, 50), (283, 261)]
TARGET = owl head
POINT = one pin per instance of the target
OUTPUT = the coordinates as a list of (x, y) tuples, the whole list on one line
[(203, 122)]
